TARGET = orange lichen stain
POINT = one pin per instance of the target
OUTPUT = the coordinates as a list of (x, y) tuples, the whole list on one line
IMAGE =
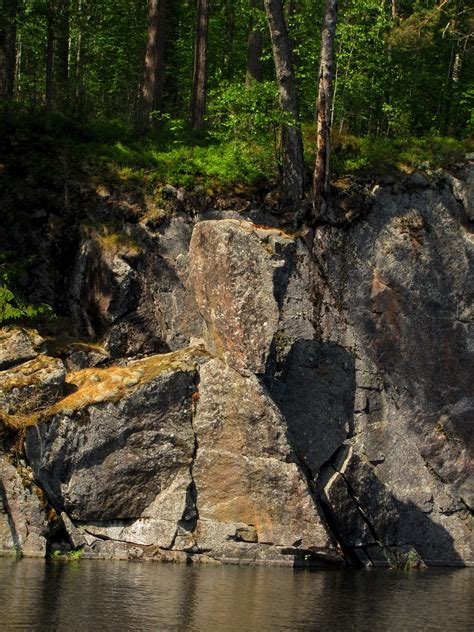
[(96, 385), (268, 229)]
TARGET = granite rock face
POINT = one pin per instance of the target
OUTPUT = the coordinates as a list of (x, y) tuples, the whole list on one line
[(249, 484), (398, 289), (238, 274), (328, 418), (123, 468), (130, 290), (22, 519)]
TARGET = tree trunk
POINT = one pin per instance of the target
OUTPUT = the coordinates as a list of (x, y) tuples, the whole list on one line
[(321, 171), (63, 53), (8, 49), (49, 63), (254, 50), (292, 162), (153, 77), (3, 67), (198, 100)]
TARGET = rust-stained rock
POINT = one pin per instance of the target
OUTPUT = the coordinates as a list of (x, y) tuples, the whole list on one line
[(245, 472), (238, 274), (22, 521)]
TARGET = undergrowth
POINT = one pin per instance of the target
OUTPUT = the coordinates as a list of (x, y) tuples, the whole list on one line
[(109, 152)]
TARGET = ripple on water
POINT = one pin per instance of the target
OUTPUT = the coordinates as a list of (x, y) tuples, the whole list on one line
[(86, 596)]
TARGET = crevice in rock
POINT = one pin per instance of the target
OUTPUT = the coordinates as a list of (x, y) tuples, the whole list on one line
[(11, 521), (359, 507), (190, 515)]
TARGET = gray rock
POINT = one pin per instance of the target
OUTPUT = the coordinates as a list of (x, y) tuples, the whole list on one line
[(108, 461), (22, 521), (315, 392), (18, 345), (75, 535), (396, 292), (245, 472)]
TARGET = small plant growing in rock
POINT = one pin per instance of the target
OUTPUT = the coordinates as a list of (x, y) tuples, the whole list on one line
[(12, 306), (75, 555)]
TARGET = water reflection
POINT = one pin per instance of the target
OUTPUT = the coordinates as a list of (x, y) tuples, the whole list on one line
[(87, 596)]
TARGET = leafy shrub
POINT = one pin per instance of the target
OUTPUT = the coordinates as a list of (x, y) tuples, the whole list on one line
[(240, 113)]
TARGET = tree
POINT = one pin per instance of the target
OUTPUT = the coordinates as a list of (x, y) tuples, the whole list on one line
[(292, 160), (254, 48), (323, 107), (153, 78), (49, 62), (198, 99), (8, 35), (63, 53)]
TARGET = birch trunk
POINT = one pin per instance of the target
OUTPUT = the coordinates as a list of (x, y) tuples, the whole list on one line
[(321, 189)]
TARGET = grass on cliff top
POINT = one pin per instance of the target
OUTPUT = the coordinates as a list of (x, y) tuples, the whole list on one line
[(109, 152)]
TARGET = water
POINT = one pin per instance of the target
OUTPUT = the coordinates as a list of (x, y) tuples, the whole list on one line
[(94, 596)]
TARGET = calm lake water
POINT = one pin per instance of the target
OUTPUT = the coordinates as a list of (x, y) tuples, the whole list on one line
[(90, 595)]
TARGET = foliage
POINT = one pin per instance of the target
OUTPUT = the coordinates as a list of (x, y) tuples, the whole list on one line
[(403, 69), (12, 307)]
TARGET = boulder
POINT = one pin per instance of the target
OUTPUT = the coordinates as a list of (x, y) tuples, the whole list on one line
[(238, 272), (22, 520), (18, 345), (248, 482), (109, 461)]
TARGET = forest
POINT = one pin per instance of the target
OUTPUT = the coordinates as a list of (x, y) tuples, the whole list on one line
[(180, 92)]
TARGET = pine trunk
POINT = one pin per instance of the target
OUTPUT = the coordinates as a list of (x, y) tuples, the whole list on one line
[(49, 63), (8, 50), (292, 162), (254, 50), (153, 77), (321, 188), (63, 54), (198, 100)]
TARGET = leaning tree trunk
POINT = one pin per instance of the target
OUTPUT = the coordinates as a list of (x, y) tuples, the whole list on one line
[(153, 77), (292, 161), (326, 72), (254, 49), (49, 63), (198, 100)]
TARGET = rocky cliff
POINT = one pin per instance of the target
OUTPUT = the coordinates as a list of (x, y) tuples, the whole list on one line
[(250, 398)]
